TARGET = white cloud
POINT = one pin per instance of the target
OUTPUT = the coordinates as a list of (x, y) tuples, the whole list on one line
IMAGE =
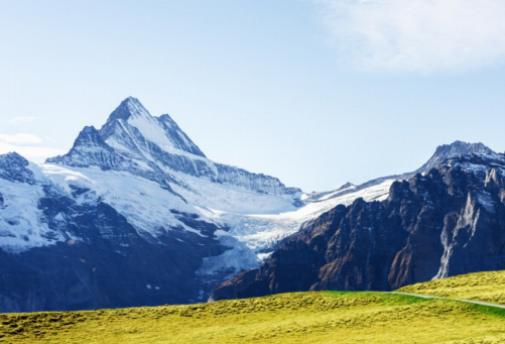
[(33, 153), (418, 35), (20, 139), (20, 120), (28, 145)]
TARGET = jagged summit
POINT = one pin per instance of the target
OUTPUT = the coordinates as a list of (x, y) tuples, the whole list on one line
[(131, 125), (460, 149), (134, 141), (127, 108), (133, 133), (88, 140), (89, 135), (89, 149), (14, 156)]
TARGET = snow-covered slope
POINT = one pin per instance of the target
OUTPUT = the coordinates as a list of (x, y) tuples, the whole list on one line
[(21, 221), (260, 232), (147, 205)]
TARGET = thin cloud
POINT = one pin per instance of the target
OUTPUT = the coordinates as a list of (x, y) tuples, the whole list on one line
[(21, 139), (33, 153), (28, 145), (20, 120), (417, 35)]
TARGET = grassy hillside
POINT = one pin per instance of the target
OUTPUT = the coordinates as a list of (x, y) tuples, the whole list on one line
[(326, 317), (483, 286)]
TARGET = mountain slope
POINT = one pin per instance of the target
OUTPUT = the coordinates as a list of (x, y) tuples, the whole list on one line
[(448, 221), (127, 217), (482, 286)]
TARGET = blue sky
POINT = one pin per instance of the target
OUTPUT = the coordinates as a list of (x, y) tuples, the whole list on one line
[(315, 92)]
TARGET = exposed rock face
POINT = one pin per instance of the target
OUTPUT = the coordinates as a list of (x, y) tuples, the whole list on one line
[(447, 222), (14, 167)]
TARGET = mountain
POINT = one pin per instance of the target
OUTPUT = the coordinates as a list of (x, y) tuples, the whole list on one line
[(446, 219), (136, 214), (133, 214), (134, 141)]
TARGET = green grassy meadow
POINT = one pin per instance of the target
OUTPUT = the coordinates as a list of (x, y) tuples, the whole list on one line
[(312, 317), (482, 286)]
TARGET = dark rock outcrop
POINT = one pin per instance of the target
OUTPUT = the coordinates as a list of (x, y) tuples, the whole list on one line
[(14, 167), (447, 222)]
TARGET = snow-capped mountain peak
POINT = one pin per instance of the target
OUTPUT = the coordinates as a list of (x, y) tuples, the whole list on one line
[(89, 149), (155, 148), (460, 149), (89, 136), (131, 127), (129, 107)]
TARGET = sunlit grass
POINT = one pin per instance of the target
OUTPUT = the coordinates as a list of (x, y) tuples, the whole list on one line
[(483, 286), (325, 317)]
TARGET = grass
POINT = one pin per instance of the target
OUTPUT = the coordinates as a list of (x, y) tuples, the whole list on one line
[(313, 317), (483, 286)]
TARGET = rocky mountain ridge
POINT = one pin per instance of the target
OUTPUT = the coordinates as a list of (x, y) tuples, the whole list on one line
[(440, 222)]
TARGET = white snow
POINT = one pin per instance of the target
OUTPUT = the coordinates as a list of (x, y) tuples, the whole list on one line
[(239, 257), (228, 198), (144, 203), (259, 232), (21, 227), (152, 131)]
